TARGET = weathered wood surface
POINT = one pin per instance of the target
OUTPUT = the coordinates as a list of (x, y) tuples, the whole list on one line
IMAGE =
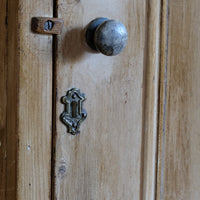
[(113, 156), (179, 140), (26, 102), (35, 104)]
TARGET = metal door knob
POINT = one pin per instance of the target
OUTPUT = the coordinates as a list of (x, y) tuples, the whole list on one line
[(106, 36)]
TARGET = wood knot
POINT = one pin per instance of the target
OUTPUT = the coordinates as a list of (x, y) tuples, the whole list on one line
[(62, 170)]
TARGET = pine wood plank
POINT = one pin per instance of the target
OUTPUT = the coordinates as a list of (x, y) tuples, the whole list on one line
[(11, 94), (114, 156), (179, 143), (151, 77), (35, 104), (28, 104), (3, 102)]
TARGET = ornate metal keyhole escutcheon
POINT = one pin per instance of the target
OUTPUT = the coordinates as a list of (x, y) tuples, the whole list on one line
[(73, 114)]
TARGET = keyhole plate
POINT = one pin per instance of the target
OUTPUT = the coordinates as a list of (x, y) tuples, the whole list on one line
[(73, 114)]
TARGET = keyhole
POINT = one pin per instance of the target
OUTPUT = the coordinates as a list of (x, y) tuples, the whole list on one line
[(74, 109)]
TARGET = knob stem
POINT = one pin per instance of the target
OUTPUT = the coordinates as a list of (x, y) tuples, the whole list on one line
[(90, 31)]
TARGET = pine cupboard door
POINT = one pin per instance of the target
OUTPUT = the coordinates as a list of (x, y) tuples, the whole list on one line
[(140, 139), (113, 157)]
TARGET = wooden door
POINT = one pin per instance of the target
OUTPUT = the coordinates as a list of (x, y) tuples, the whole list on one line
[(140, 139), (107, 160)]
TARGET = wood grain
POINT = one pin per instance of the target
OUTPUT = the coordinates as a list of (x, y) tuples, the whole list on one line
[(35, 104), (3, 99), (107, 160), (11, 96), (179, 149), (26, 108)]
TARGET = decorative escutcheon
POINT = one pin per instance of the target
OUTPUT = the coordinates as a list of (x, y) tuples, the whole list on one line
[(73, 114)]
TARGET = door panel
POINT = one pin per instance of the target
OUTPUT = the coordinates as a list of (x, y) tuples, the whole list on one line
[(179, 144), (111, 158)]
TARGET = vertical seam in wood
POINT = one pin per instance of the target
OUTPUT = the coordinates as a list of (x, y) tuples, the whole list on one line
[(54, 97), (158, 101), (162, 100), (6, 63), (164, 105), (142, 170), (150, 107), (17, 103), (158, 98)]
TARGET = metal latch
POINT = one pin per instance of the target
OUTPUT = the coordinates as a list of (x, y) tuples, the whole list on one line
[(47, 25)]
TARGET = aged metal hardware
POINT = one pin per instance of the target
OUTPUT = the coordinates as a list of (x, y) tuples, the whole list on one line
[(73, 114), (47, 25), (106, 36)]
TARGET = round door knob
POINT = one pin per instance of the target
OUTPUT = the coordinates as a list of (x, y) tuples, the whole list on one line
[(106, 36)]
